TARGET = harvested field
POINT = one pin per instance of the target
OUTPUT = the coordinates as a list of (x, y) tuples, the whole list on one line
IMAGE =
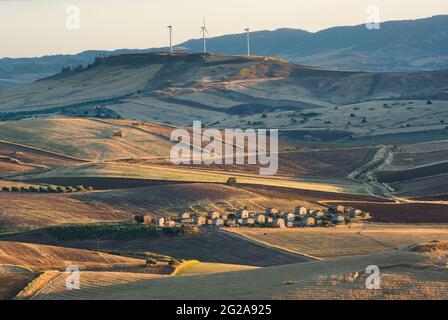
[(35, 157), (426, 186), (304, 194), (405, 212), (415, 173), (208, 246), (162, 199), (326, 243), (12, 283), (405, 275), (39, 257), (19, 211), (95, 140)]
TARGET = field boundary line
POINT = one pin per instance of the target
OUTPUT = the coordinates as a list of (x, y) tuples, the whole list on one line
[(43, 150), (267, 245)]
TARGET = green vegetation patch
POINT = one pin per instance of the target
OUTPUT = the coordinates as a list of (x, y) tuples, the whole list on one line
[(111, 231)]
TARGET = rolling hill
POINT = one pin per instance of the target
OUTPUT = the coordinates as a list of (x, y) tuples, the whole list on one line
[(398, 46)]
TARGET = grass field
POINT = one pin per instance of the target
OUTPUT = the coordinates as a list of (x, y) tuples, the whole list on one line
[(336, 242), (194, 267)]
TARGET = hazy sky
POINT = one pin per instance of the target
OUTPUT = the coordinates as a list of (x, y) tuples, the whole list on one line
[(38, 27)]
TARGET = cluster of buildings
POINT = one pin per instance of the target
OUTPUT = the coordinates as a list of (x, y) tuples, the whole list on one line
[(273, 218)]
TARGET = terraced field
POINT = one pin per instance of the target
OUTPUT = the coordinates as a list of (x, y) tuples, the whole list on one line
[(337, 242)]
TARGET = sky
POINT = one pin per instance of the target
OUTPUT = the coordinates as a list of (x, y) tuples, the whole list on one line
[(31, 28)]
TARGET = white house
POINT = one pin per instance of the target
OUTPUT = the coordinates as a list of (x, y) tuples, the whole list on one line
[(280, 223), (160, 221), (301, 211), (184, 215), (290, 217), (243, 214)]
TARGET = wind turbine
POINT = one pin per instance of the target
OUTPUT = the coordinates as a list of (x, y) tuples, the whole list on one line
[(170, 28), (248, 40), (204, 37)]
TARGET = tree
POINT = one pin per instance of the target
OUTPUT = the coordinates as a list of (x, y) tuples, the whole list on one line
[(6, 189), (231, 181)]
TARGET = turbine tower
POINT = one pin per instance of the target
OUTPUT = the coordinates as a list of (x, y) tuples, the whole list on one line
[(248, 40), (204, 37), (170, 28)]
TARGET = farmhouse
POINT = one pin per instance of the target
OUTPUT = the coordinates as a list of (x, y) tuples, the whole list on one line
[(148, 219)]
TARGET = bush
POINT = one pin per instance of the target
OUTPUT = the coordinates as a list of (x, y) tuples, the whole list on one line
[(151, 262), (70, 189), (52, 189), (34, 189), (80, 188), (173, 262), (15, 189), (43, 189), (6, 189), (24, 189), (90, 189), (61, 189)]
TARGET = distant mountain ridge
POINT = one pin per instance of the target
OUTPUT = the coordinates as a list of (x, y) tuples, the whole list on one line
[(410, 45)]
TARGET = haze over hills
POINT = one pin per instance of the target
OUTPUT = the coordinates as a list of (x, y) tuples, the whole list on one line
[(398, 46)]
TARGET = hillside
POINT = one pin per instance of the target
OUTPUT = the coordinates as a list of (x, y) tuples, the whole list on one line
[(397, 46)]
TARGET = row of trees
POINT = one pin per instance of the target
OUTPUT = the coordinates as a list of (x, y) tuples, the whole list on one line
[(48, 189)]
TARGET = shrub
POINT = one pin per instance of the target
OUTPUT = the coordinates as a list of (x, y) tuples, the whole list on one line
[(52, 189), (43, 189), (34, 189), (173, 262), (151, 262), (90, 189), (6, 189), (24, 189), (70, 189), (61, 189), (15, 189), (80, 188)]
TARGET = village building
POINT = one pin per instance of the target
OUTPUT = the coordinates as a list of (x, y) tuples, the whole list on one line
[(243, 214), (184, 215), (318, 214), (280, 223), (272, 211), (214, 215), (187, 221), (249, 222), (301, 211), (225, 217), (290, 224), (160, 221), (290, 217), (270, 220), (148, 219), (240, 221), (340, 209), (260, 219), (309, 222), (339, 219), (230, 223), (219, 223), (200, 220)]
